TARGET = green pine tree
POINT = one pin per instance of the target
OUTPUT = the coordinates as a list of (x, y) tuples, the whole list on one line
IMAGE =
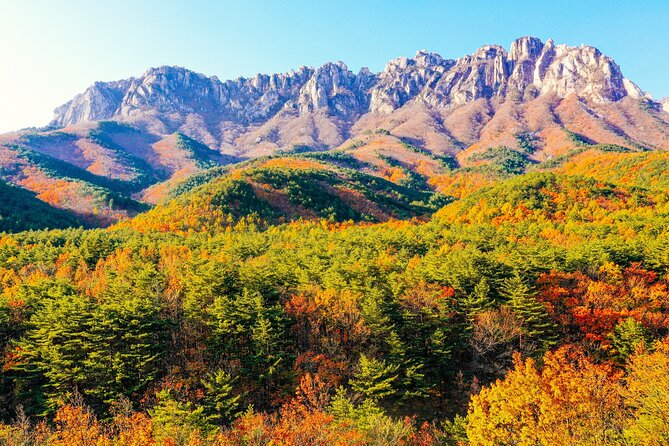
[(175, 420), (628, 335), (221, 401), (478, 301), (536, 323), (54, 353), (375, 379), (245, 329), (128, 339), (411, 380)]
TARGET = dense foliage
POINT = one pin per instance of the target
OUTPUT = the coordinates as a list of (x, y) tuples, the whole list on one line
[(275, 190), (20, 210), (535, 311)]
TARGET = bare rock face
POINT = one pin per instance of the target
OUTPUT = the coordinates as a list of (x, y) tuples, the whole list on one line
[(330, 99), (523, 57), (100, 101), (180, 91), (483, 74), (334, 88), (403, 79), (665, 104), (583, 71)]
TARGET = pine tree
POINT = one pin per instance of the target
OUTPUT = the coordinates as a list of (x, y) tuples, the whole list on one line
[(101, 350), (128, 342), (267, 356), (176, 421), (247, 330), (53, 354), (411, 380), (375, 379), (221, 402), (536, 322), (628, 335), (479, 300)]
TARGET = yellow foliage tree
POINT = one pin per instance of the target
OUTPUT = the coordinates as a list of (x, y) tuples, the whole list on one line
[(647, 396), (569, 401)]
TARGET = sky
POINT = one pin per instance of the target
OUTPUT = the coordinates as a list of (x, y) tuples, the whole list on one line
[(52, 50)]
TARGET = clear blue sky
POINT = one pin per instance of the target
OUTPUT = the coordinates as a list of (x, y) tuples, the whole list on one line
[(53, 49)]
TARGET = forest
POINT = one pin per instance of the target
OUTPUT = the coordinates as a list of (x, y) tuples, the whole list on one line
[(531, 310)]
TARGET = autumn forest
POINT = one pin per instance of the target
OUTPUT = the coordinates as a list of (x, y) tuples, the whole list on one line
[(530, 307), (460, 249)]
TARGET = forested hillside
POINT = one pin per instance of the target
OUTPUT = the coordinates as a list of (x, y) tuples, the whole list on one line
[(297, 301), (281, 189), (20, 210)]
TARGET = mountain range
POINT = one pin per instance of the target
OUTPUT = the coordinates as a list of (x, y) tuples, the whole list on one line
[(426, 123)]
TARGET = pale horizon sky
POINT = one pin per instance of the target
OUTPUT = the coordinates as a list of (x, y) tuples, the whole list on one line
[(53, 50)]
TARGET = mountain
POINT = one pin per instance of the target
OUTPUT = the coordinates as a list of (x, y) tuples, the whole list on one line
[(665, 104), (457, 253), (445, 105), (539, 98), (449, 126)]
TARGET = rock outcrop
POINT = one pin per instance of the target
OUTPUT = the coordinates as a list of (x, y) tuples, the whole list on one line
[(101, 100)]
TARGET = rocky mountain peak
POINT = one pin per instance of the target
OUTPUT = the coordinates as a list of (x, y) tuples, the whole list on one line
[(100, 101), (526, 48), (486, 52), (424, 58), (403, 79), (332, 87), (176, 99)]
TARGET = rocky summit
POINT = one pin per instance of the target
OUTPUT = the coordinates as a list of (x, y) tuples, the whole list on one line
[(322, 107)]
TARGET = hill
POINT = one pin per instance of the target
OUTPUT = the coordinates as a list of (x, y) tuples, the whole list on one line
[(207, 321), (20, 210), (283, 189), (555, 199)]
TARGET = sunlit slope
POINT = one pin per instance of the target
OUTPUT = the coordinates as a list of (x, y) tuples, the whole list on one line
[(551, 197), (20, 210), (287, 189)]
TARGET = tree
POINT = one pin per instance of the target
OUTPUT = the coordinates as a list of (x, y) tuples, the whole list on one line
[(53, 354), (178, 422), (568, 401), (628, 335), (536, 325), (101, 351), (128, 339), (76, 425), (411, 381), (245, 329), (374, 379), (221, 401), (495, 337), (478, 301), (647, 396)]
